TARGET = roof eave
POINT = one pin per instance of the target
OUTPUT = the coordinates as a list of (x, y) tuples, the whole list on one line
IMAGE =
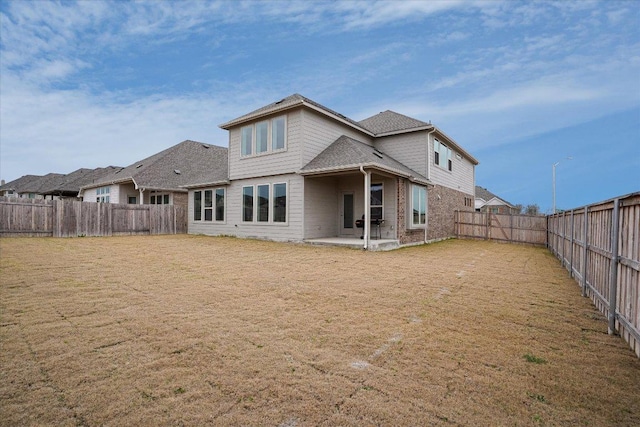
[(401, 131), (356, 167), (459, 148), (235, 122), (206, 184)]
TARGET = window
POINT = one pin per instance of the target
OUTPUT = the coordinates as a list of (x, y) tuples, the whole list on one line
[(247, 140), (269, 205), (208, 205), (442, 155), (247, 204), (263, 137), (277, 133), (377, 204), (102, 194), (158, 199), (263, 203), (220, 204), (132, 200), (204, 207), (418, 205), (279, 202), (197, 205)]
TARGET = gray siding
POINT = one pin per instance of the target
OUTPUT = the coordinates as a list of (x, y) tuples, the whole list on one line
[(409, 149), (234, 226), (281, 162), (461, 178), (320, 132), (321, 208)]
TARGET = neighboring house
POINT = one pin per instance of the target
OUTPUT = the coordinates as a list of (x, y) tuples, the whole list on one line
[(30, 186), (159, 179), (299, 171), (53, 186), (68, 186), (486, 201)]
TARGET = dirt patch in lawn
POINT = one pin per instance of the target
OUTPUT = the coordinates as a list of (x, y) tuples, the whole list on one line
[(189, 330)]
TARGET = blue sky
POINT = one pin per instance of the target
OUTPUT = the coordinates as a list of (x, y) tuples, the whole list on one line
[(520, 85)]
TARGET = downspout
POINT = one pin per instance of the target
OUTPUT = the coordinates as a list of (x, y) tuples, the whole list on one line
[(367, 208), (429, 154), (141, 190), (426, 200)]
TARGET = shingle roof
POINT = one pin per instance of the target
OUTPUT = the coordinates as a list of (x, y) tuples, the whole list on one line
[(39, 185), (487, 195), (22, 184), (186, 163), (390, 121), (347, 154), (72, 182), (290, 101)]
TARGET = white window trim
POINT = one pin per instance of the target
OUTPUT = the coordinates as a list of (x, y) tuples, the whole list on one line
[(157, 194), (371, 206), (213, 205), (270, 220), (447, 150), (413, 225), (254, 138)]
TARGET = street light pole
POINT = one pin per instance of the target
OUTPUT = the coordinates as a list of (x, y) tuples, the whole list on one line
[(554, 182)]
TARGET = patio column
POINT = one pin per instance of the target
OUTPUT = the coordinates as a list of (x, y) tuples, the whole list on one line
[(367, 208), (141, 196)]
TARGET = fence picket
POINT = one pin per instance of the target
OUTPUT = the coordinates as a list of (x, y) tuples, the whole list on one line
[(71, 218)]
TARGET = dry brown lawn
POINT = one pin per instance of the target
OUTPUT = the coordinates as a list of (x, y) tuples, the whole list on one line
[(191, 330)]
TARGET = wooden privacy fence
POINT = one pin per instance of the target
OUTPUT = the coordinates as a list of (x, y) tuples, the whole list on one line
[(600, 246), (69, 218), (502, 227)]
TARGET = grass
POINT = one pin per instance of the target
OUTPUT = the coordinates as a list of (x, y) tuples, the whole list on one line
[(191, 330)]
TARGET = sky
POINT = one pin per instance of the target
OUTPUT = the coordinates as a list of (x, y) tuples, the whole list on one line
[(519, 85)]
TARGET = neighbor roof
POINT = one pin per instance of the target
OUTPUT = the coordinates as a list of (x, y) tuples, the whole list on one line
[(23, 184), (189, 162), (72, 182), (349, 154), (486, 195)]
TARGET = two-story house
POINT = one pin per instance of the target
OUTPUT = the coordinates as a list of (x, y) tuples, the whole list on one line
[(298, 171)]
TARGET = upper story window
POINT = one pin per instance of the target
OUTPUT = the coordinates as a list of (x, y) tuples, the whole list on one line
[(442, 155), (263, 137), (102, 194)]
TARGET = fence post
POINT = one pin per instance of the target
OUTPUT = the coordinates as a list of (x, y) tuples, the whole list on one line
[(571, 246), (613, 281), (584, 253), (564, 229)]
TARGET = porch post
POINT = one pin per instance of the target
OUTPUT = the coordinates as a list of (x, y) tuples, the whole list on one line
[(141, 196), (367, 208)]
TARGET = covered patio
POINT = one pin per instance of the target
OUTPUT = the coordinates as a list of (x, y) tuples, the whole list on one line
[(356, 243)]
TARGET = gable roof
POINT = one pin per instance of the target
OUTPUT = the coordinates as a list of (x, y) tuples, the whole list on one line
[(391, 122), (186, 163), (487, 196), (347, 154), (293, 101)]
